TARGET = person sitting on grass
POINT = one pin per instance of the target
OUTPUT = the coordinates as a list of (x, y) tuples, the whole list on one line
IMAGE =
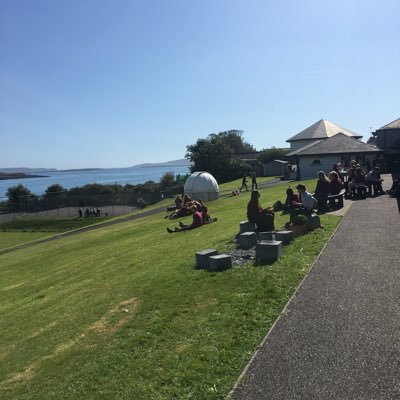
[(262, 218), (306, 205), (291, 199), (178, 201), (206, 216), (197, 221)]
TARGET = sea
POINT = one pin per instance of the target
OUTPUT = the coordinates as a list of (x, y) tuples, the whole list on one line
[(77, 178)]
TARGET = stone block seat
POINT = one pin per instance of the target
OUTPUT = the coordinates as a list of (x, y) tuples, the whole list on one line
[(266, 235), (246, 226), (219, 262), (284, 236), (247, 240), (202, 257), (268, 251)]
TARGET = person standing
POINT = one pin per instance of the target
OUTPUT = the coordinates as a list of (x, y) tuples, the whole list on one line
[(244, 183), (254, 185)]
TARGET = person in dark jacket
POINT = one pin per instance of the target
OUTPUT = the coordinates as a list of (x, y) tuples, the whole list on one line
[(291, 199), (262, 218), (322, 190)]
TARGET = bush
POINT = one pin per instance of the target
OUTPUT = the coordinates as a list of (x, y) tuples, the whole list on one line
[(299, 220)]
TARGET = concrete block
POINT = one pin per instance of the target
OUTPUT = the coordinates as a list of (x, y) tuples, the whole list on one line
[(219, 262), (313, 221), (202, 257), (246, 226), (268, 251), (247, 240), (266, 235), (284, 236)]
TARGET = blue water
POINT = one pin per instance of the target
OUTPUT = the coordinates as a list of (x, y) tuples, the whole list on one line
[(70, 179)]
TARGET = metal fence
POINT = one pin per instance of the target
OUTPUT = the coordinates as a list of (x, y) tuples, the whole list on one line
[(67, 204)]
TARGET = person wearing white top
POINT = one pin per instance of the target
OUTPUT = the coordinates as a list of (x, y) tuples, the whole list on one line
[(308, 201)]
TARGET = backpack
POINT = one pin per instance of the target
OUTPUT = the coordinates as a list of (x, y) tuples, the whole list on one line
[(278, 206)]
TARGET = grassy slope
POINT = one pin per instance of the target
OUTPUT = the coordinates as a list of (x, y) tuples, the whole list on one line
[(27, 229), (121, 313)]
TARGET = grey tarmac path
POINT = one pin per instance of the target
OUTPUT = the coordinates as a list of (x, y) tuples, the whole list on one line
[(339, 337)]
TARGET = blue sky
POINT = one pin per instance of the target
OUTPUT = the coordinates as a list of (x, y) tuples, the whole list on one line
[(95, 83)]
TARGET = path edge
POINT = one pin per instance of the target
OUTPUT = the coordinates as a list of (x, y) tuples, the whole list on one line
[(281, 314)]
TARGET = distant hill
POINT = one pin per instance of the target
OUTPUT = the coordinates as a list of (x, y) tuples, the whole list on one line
[(17, 175), (175, 163), (24, 170)]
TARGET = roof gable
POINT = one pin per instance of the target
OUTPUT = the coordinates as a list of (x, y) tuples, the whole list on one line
[(392, 125), (338, 144), (322, 129)]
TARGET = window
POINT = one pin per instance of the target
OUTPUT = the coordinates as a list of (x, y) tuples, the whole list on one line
[(316, 162)]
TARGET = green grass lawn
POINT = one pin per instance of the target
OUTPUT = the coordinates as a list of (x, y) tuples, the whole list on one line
[(9, 239), (27, 229), (120, 312), (48, 224)]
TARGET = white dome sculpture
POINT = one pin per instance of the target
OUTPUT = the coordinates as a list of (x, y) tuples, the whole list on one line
[(201, 186)]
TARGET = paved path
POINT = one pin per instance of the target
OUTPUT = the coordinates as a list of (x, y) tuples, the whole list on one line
[(340, 335)]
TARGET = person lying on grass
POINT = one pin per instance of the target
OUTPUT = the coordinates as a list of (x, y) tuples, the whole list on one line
[(184, 210), (197, 220)]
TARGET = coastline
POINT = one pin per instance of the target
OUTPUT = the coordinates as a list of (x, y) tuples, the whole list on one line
[(19, 175)]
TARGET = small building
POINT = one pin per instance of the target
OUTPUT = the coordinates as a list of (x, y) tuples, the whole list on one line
[(320, 155), (388, 139), (201, 186), (325, 143), (276, 168), (322, 129)]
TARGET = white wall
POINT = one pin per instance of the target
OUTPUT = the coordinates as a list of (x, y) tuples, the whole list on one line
[(308, 170), (205, 196)]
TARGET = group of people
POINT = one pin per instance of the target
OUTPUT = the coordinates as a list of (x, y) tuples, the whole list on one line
[(254, 185), (90, 212), (358, 179), (182, 206), (186, 206), (301, 203)]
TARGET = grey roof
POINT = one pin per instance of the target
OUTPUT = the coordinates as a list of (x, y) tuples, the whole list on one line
[(392, 125), (338, 144), (322, 130)]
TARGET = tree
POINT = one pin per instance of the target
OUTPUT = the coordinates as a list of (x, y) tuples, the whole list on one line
[(167, 180), (234, 140), (55, 188), (215, 155), (267, 155), (14, 195)]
